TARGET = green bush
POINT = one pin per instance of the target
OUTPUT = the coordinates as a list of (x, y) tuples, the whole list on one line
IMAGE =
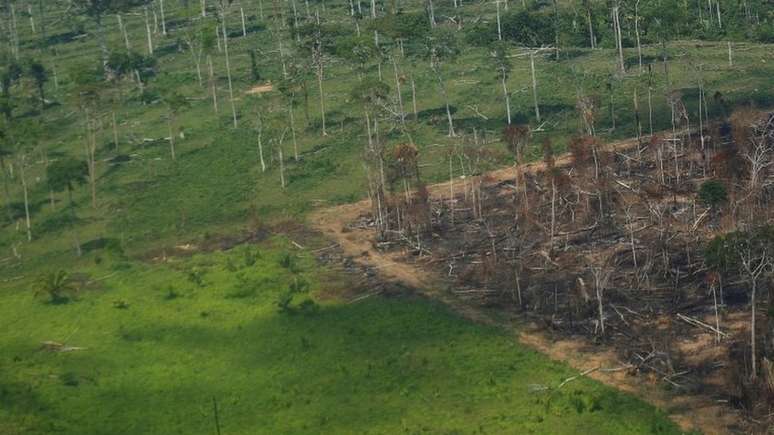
[(713, 193)]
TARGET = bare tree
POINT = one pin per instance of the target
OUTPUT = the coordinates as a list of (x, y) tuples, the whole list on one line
[(616, 12), (754, 265), (601, 275)]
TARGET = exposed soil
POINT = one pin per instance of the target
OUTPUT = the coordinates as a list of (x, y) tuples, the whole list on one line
[(260, 89), (648, 351)]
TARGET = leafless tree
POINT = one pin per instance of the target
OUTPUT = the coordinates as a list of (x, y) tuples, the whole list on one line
[(754, 265)]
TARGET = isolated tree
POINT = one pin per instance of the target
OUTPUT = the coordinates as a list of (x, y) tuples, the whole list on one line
[(617, 33), (516, 138), (125, 64), (57, 286), (503, 65), (297, 77), (174, 102), (66, 174), (416, 210), (6, 150), (588, 107), (23, 137), (223, 7), (10, 73), (88, 93), (199, 37), (318, 60), (749, 254), (601, 276), (754, 134), (359, 51), (40, 77), (96, 10), (314, 44), (441, 47), (372, 95), (25, 190)]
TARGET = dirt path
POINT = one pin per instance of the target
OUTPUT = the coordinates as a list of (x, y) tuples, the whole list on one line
[(689, 411)]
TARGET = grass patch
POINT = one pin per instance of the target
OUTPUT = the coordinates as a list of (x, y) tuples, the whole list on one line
[(382, 366)]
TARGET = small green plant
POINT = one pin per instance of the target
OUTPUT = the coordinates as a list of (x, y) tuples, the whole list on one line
[(57, 286), (251, 256), (308, 307), (290, 262), (196, 276), (283, 302), (299, 285), (70, 379), (171, 294), (713, 193), (286, 260), (246, 287), (121, 304), (230, 265)]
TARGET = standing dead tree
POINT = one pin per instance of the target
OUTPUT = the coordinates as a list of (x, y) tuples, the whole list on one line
[(601, 276), (748, 254), (516, 138)]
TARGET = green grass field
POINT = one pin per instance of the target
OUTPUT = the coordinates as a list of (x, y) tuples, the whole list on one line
[(379, 366)]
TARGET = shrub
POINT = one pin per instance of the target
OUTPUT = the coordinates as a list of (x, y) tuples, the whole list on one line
[(299, 286), (251, 256), (287, 261), (69, 379), (196, 276), (171, 294), (283, 302), (713, 193)]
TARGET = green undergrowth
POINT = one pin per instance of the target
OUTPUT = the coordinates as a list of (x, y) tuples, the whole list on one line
[(257, 330)]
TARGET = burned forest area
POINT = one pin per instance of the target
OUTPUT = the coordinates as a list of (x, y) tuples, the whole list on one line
[(659, 248)]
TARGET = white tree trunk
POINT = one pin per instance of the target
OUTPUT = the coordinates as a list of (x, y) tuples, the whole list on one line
[(499, 26), (293, 131), (228, 74), (115, 131), (414, 98), (753, 344), (244, 23), (637, 32), (197, 59), (397, 91), (260, 148), (446, 103), (507, 98), (26, 199), (123, 32), (163, 18), (32, 19), (148, 32), (171, 136), (534, 85), (619, 43), (322, 95), (282, 166), (213, 87)]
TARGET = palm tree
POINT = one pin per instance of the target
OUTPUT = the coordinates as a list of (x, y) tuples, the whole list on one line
[(56, 285)]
